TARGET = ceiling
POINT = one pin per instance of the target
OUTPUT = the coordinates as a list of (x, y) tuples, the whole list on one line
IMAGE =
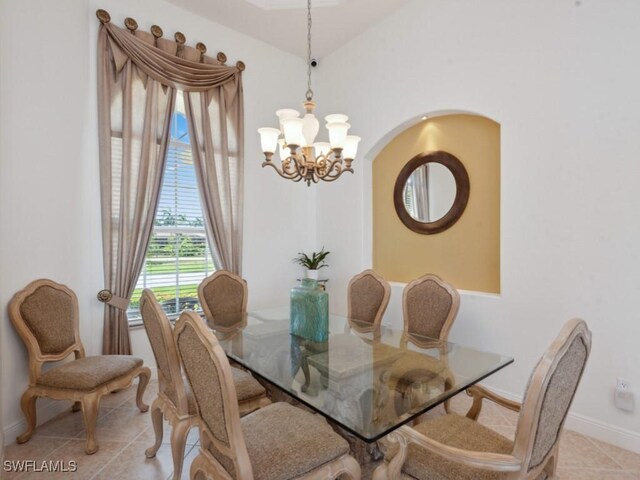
[(283, 23)]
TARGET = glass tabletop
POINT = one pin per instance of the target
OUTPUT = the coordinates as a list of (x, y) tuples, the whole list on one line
[(369, 381)]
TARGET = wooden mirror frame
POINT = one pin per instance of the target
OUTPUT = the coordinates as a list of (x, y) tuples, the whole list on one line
[(461, 177)]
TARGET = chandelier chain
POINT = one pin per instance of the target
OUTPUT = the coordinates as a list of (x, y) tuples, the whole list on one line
[(309, 93)]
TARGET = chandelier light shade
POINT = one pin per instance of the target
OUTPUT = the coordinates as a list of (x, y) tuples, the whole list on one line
[(301, 157)]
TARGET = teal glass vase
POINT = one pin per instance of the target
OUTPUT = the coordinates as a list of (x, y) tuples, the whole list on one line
[(310, 311)]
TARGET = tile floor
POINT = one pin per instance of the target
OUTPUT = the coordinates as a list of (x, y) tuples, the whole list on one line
[(124, 434)]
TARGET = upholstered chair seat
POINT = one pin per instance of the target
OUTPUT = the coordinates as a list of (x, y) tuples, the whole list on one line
[(459, 432), (276, 442), (89, 373), (286, 442), (456, 447), (45, 314)]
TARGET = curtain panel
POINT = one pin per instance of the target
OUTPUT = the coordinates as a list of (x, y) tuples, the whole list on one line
[(138, 76)]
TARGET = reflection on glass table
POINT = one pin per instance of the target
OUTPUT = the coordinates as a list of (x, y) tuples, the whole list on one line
[(368, 380)]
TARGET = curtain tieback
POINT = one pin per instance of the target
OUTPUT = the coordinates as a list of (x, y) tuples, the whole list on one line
[(107, 296)]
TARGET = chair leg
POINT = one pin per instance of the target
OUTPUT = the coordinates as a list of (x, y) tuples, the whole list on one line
[(90, 405), (551, 468), (178, 441), (77, 406), (143, 381), (28, 405), (198, 469), (156, 420), (350, 469)]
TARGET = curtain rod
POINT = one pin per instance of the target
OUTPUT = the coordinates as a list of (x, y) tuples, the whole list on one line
[(157, 32)]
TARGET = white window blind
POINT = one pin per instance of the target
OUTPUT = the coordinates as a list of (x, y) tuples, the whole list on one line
[(178, 256)]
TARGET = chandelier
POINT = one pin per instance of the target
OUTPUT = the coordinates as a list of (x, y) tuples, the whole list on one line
[(301, 157)]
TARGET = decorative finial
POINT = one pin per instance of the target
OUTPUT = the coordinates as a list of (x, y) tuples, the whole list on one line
[(180, 38), (222, 58), (156, 31), (131, 24), (240, 65), (103, 16)]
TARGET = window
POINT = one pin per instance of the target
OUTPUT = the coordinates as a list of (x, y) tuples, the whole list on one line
[(178, 256)]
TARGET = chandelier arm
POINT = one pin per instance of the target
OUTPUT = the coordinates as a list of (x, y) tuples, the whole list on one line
[(282, 173), (333, 164)]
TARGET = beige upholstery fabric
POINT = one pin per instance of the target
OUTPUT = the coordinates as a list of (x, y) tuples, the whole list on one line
[(152, 324), (558, 396), (428, 305), (224, 295), (48, 312), (285, 442), (459, 432), (247, 387), (204, 380), (366, 296), (89, 373)]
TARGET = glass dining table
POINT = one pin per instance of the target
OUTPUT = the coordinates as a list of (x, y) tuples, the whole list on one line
[(369, 381)]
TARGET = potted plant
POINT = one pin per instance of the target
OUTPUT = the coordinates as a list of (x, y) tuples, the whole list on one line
[(312, 263)]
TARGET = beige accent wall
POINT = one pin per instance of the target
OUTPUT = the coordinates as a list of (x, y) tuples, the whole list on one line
[(468, 253)]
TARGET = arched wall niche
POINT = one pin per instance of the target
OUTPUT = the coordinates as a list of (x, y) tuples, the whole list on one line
[(468, 253)]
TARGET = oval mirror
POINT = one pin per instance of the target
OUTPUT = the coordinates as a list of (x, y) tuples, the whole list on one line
[(431, 192)]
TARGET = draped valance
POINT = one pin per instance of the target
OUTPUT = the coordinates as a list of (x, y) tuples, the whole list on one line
[(172, 63)]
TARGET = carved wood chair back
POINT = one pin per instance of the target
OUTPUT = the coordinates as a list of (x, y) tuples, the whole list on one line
[(368, 297), (549, 394), (160, 334), (45, 314), (429, 307), (223, 293), (211, 381)]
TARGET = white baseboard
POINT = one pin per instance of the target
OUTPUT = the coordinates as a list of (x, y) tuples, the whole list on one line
[(47, 409), (618, 436)]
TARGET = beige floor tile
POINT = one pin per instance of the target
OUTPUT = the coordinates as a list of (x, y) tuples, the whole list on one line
[(149, 395), (577, 451), (35, 449), (114, 400), (132, 464), (66, 425), (121, 425), (87, 465), (188, 459), (149, 436), (594, 474), (626, 459)]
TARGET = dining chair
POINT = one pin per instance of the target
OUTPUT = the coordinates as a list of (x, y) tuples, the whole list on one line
[(175, 401), (223, 293), (368, 297), (277, 442), (454, 446), (429, 307), (45, 314)]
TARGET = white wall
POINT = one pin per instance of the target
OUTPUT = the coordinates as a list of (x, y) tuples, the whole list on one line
[(560, 78), (49, 182)]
